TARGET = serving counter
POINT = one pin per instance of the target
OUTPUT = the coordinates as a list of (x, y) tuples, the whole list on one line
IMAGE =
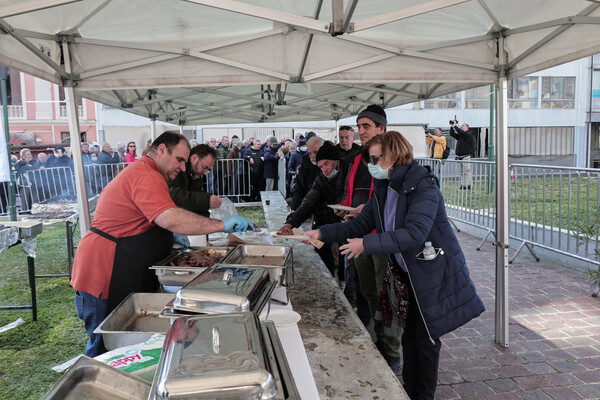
[(343, 359)]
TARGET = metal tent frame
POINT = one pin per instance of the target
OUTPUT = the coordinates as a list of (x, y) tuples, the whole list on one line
[(232, 61)]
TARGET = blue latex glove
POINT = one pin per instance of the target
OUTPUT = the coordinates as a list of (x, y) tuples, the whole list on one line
[(181, 240), (237, 224)]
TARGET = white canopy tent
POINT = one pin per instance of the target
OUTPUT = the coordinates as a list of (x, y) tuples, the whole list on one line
[(227, 61)]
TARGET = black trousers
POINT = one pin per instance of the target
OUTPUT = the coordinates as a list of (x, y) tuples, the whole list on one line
[(421, 356)]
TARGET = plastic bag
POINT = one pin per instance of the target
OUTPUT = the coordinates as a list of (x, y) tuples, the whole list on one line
[(226, 210)]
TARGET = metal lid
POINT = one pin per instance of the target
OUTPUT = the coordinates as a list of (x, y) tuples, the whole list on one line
[(214, 357), (223, 289)]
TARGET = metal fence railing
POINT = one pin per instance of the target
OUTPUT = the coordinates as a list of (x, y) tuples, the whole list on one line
[(48, 184), (230, 178), (549, 206)]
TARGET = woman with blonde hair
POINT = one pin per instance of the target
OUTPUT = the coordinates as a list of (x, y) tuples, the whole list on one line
[(429, 294)]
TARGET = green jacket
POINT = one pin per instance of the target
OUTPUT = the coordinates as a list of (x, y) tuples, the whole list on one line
[(189, 194)]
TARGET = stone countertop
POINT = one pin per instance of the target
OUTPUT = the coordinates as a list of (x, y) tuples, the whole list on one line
[(344, 360)]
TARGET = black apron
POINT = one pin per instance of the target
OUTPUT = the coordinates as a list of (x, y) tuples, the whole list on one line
[(133, 257)]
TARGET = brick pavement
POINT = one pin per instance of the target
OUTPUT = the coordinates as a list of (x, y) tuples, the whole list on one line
[(554, 335)]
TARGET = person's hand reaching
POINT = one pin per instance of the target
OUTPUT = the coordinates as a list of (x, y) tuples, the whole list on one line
[(235, 223)]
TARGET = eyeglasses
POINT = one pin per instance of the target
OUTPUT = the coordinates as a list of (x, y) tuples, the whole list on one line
[(132, 145), (205, 168), (375, 159)]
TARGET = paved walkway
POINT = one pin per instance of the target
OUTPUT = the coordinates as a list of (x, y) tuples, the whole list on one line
[(554, 337)]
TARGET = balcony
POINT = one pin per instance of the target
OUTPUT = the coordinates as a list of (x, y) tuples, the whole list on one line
[(63, 111), (15, 112)]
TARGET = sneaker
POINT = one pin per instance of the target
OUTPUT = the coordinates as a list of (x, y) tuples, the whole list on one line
[(395, 363)]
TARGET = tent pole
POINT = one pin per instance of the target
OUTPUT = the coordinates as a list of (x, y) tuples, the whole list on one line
[(153, 128), (502, 214), (10, 185), (73, 117), (181, 129)]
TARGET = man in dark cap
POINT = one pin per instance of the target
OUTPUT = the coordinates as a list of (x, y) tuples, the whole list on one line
[(314, 203), (355, 188)]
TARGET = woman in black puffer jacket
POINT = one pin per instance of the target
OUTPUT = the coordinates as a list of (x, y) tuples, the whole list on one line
[(429, 297)]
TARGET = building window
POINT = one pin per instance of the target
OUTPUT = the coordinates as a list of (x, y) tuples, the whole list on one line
[(447, 101), (596, 84), (596, 136), (478, 97), (523, 92), (558, 92), (13, 88)]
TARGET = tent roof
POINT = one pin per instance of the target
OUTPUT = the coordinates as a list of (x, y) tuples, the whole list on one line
[(228, 61)]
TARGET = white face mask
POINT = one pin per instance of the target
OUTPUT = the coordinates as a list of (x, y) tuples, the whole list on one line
[(303, 148), (377, 172), (333, 174)]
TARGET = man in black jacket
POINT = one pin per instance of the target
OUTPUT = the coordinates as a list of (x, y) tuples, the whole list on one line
[(315, 202), (108, 155), (465, 146), (346, 147), (187, 189), (254, 154), (308, 171)]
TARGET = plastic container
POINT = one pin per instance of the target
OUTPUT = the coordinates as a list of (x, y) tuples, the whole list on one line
[(428, 251)]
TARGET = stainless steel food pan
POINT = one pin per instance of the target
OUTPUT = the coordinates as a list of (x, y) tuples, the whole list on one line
[(135, 320), (214, 357), (223, 289), (169, 275), (93, 380), (286, 385), (278, 260)]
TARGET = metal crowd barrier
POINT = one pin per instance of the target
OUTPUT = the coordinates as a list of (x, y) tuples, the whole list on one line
[(549, 206), (230, 178), (48, 184), (552, 206)]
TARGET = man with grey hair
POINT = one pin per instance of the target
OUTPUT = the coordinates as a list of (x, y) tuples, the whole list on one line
[(25, 178), (121, 151)]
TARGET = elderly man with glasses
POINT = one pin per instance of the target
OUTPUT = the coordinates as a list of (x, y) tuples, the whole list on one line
[(188, 190)]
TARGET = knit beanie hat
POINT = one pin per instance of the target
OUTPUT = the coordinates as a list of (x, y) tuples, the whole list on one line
[(327, 152), (375, 113)]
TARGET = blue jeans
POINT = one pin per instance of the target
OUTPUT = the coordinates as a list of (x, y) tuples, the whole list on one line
[(92, 311)]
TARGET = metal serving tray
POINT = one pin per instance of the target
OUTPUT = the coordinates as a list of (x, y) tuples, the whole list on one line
[(278, 260), (27, 228), (214, 357), (223, 289), (169, 275), (135, 320), (93, 380), (286, 385)]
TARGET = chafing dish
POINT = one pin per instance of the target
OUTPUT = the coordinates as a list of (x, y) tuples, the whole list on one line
[(92, 380), (278, 260), (169, 275), (135, 320), (223, 289), (226, 356), (27, 228)]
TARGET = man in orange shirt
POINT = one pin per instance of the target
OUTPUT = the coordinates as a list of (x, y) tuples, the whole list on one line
[(131, 231)]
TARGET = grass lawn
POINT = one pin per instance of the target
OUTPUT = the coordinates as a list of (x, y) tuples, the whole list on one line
[(28, 352), (566, 203)]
